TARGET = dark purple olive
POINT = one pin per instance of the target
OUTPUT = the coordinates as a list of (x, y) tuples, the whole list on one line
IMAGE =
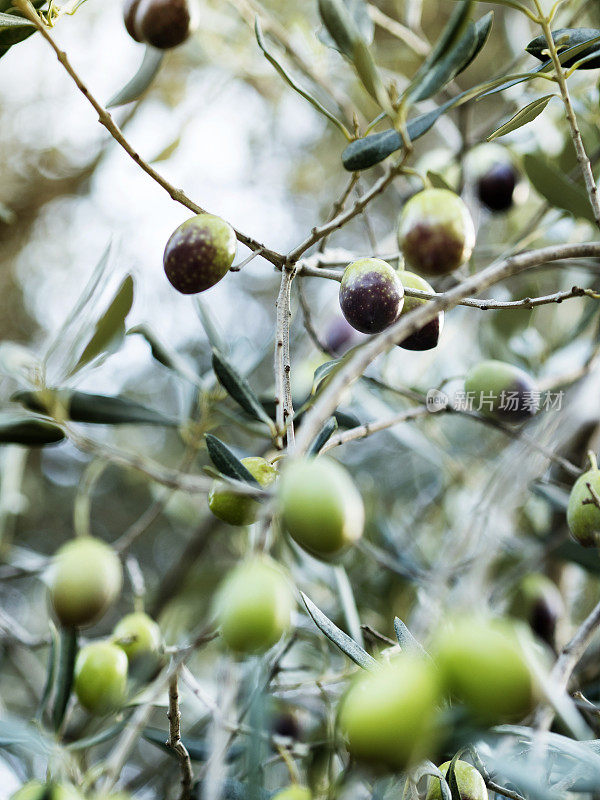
[(427, 337), (163, 23), (371, 295), (538, 601), (340, 336), (496, 187), (436, 232), (199, 253), (130, 8)]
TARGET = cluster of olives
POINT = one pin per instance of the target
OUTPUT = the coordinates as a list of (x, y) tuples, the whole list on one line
[(393, 716), (436, 235), (85, 580), (320, 509), (161, 23)]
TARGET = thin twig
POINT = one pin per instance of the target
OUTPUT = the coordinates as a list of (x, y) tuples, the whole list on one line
[(284, 405), (174, 741), (111, 126), (362, 431)]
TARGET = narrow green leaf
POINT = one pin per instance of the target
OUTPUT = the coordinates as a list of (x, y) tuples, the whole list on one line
[(323, 371), (99, 738), (362, 20), (323, 436), (338, 637), (8, 21), (340, 25), (238, 388), (64, 679), (406, 640), (483, 28), (50, 673), (454, 28), (110, 328), (94, 409), (164, 355), (557, 188), (448, 66), (142, 79), (566, 39), (522, 117), (451, 778), (438, 181), (296, 86), (29, 431), (368, 73), (225, 461), (556, 496)]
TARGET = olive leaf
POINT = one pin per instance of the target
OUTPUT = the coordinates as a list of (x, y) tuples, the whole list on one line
[(13, 30), (50, 672), (338, 637), (557, 188), (110, 328), (93, 408), (566, 39), (142, 79), (99, 738), (323, 436), (29, 431), (556, 496), (294, 85), (406, 640), (451, 778), (522, 117), (438, 181), (239, 389), (9, 21), (362, 20), (225, 461), (164, 355), (68, 647)]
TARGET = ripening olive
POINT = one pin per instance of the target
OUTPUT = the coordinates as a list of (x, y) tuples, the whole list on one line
[(496, 186), (254, 606), (85, 579), (320, 506), (501, 390), (238, 509), (388, 716), (199, 253), (371, 295), (436, 232), (340, 336), (101, 677), (538, 601), (129, 11), (471, 785), (163, 23), (295, 792), (583, 515), (427, 337), (139, 637), (36, 790), (483, 665)]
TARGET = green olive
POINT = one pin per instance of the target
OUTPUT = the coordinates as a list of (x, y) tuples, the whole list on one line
[(388, 716), (295, 792), (199, 252), (538, 601), (101, 677), (320, 506), (254, 606), (36, 790), (436, 232), (85, 580), (501, 390), (139, 637), (471, 785), (484, 666), (583, 515), (427, 337), (237, 509)]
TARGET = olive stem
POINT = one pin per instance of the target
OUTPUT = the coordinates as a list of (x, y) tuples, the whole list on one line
[(408, 324), (592, 459), (105, 119), (582, 156), (174, 741), (284, 405)]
